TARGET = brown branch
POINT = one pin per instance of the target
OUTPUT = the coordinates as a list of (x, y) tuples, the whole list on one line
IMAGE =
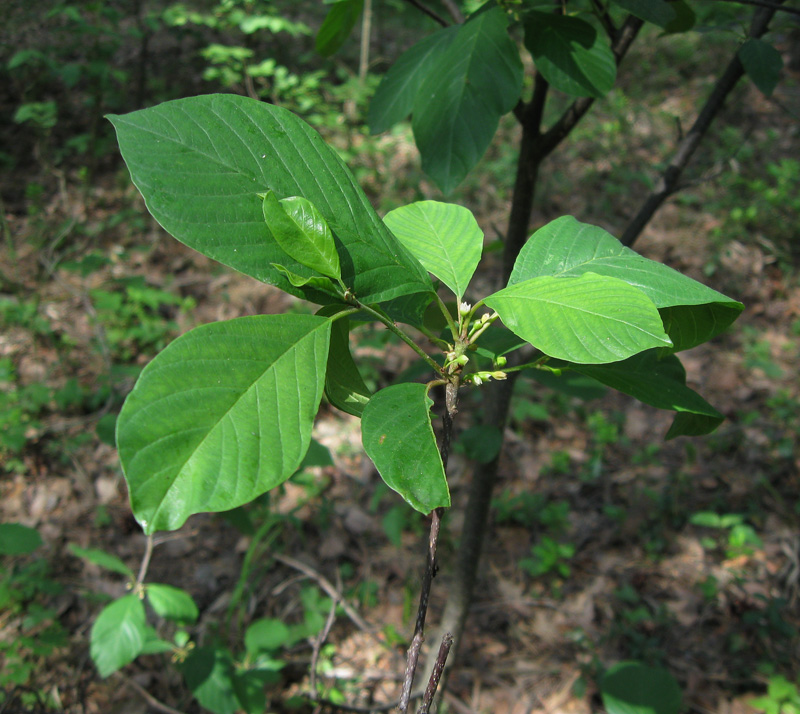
[(422, 611), (605, 20), (454, 11), (436, 674), (318, 642), (149, 698), (427, 11), (669, 182)]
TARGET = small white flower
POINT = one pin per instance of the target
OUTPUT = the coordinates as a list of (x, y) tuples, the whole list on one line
[(464, 309)]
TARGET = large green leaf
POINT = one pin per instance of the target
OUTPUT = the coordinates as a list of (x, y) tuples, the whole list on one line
[(444, 237), (635, 688), (658, 12), (118, 634), (171, 603), (337, 26), (762, 62), (210, 675), (692, 313), (468, 87), (571, 55), (591, 319), (17, 539), (394, 98), (398, 437), (220, 416), (200, 164), (659, 382)]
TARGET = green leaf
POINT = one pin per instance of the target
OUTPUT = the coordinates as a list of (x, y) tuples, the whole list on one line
[(153, 644), (661, 383), (302, 232), (444, 237), (685, 18), (222, 415), (317, 455), (570, 54), (394, 98), (591, 319), (209, 674), (171, 603), (634, 688), (468, 87), (16, 539), (101, 558), (398, 437), (200, 164), (118, 634), (337, 26), (344, 386), (481, 443), (762, 63), (692, 313), (317, 282), (266, 635), (658, 12)]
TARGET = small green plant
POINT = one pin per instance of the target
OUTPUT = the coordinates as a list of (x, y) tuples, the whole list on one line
[(549, 557), (742, 538), (782, 697)]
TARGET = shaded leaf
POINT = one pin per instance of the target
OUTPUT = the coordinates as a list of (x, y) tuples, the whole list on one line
[(337, 26), (209, 674), (398, 437), (635, 688), (685, 17), (589, 320), (220, 416), (16, 539), (344, 386), (200, 163), (444, 237), (570, 54), (763, 64), (657, 12), (481, 443), (118, 634), (692, 313), (467, 88), (394, 98), (101, 558)]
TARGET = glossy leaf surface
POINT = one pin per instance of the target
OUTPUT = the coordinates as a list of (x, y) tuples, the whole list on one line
[(220, 416), (444, 237), (397, 435), (571, 55), (344, 386), (692, 313), (302, 232), (171, 603), (394, 98), (471, 84), (118, 634), (591, 319), (200, 163)]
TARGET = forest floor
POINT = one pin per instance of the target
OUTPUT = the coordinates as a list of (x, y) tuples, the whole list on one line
[(633, 572)]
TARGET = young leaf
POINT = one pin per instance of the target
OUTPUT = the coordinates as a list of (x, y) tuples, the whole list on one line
[(661, 383), (337, 26), (394, 98), (200, 163), (658, 12), (444, 237), (319, 282), (101, 558), (592, 319), (265, 635), (397, 435), (118, 634), (302, 233), (570, 54), (220, 416), (692, 313), (171, 603), (685, 18), (469, 86), (763, 64)]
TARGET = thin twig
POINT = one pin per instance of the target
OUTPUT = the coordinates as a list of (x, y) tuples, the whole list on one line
[(329, 589), (430, 13), (148, 552), (149, 698), (422, 611), (454, 11), (436, 674), (318, 642)]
